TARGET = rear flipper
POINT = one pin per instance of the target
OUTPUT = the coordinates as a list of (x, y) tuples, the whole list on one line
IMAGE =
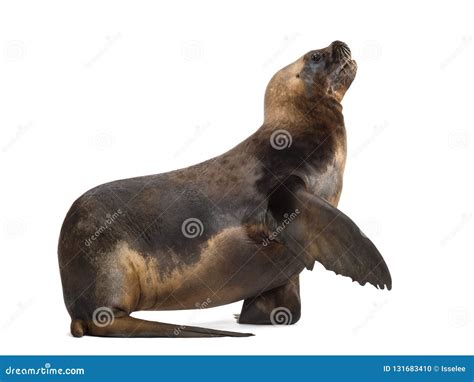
[(316, 231), (278, 306), (134, 327)]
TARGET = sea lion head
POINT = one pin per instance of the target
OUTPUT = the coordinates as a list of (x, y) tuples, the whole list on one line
[(319, 74)]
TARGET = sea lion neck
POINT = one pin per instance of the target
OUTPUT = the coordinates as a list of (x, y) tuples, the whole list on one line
[(308, 113)]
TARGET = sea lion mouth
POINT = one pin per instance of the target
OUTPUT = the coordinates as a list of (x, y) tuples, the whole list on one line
[(346, 66), (344, 75)]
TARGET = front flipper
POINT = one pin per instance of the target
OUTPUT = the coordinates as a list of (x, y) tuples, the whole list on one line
[(320, 232), (278, 306)]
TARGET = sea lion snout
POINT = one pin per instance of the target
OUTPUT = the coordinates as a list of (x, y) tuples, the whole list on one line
[(341, 50)]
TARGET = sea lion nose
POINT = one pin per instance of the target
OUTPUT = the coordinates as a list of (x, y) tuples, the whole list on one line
[(341, 49)]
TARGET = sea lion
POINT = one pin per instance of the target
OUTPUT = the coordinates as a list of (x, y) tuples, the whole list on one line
[(240, 226)]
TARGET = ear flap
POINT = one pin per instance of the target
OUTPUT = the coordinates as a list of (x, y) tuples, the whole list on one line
[(320, 232)]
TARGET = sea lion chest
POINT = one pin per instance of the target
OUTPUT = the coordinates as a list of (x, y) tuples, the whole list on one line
[(325, 177)]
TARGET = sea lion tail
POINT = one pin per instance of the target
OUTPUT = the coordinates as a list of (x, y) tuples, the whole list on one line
[(135, 327)]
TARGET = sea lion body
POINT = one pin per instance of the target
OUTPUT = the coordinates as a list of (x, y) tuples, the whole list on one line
[(149, 231), (199, 236)]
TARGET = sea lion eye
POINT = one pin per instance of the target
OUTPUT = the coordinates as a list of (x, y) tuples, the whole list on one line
[(316, 57)]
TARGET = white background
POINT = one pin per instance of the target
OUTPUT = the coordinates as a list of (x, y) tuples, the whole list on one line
[(96, 91)]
